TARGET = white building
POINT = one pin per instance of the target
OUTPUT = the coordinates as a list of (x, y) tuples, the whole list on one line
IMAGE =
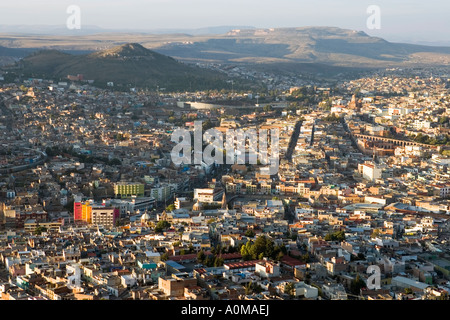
[(267, 269), (304, 290), (208, 194), (421, 124), (128, 280), (370, 171)]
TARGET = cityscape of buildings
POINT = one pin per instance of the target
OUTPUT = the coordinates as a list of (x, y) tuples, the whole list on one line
[(93, 208)]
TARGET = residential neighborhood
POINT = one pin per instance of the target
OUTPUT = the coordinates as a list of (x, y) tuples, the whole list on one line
[(92, 207)]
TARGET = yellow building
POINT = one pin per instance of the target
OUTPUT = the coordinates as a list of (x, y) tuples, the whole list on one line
[(86, 212)]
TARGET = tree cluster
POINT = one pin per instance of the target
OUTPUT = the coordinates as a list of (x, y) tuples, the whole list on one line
[(170, 207), (162, 225), (260, 248), (356, 285), (332, 118), (335, 236), (210, 260), (426, 139)]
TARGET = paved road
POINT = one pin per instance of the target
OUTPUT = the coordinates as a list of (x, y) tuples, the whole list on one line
[(293, 141)]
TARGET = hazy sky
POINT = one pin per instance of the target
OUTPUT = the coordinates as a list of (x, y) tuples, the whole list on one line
[(410, 20)]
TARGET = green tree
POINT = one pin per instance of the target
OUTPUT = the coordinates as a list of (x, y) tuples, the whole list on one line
[(245, 251), (305, 258), (262, 247), (176, 244), (248, 288), (252, 287), (335, 236), (218, 261), (259, 247), (39, 230), (289, 289), (356, 285), (408, 291), (207, 125), (279, 256), (375, 233), (217, 249), (249, 233), (209, 261), (170, 207), (162, 225), (332, 118), (165, 256), (201, 256)]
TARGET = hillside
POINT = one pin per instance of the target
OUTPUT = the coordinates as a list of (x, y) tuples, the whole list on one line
[(311, 50), (323, 45), (126, 65), (332, 46)]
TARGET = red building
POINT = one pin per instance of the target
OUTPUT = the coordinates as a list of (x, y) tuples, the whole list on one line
[(77, 211)]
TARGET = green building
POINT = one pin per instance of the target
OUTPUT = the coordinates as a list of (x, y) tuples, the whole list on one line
[(128, 189)]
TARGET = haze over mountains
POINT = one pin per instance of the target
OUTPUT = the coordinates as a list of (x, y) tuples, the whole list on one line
[(328, 45), (60, 30), (283, 49)]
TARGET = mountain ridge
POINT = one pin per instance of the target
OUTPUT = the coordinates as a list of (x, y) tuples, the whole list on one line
[(272, 49), (334, 46), (127, 65)]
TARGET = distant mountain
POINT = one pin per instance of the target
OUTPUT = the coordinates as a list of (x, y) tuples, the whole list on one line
[(198, 31), (61, 30), (325, 45), (127, 65), (286, 50)]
